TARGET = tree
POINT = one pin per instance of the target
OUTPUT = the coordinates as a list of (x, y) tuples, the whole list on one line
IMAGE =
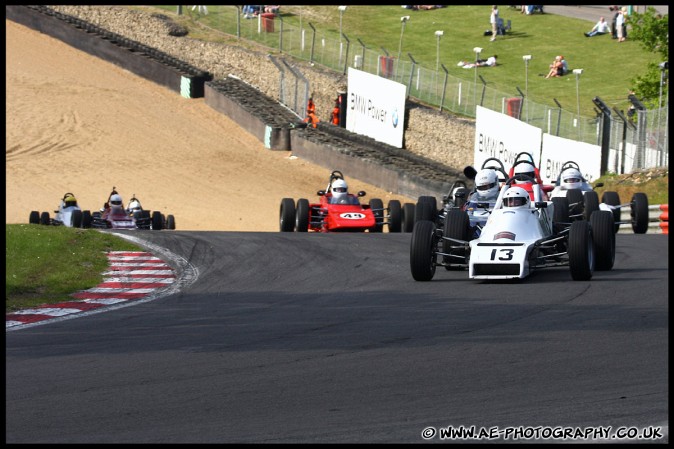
[(651, 29)]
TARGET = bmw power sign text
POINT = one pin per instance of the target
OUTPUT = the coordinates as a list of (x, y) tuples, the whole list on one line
[(376, 107)]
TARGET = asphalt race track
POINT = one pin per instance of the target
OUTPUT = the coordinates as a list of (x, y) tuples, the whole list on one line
[(326, 338)]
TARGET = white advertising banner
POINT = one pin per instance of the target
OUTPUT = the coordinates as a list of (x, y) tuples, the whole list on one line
[(503, 137), (376, 107), (558, 150)]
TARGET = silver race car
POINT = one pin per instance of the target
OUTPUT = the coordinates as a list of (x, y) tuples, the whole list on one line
[(67, 214), (583, 200), (519, 236)]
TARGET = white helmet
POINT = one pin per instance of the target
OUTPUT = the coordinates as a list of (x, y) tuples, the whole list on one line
[(516, 197), (486, 183), (339, 190), (116, 200), (572, 179), (526, 169), (134, 206)]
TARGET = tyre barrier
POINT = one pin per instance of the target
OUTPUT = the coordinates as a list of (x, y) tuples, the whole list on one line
[(664, 218), (133, 56), (396, 170), (258, 114)]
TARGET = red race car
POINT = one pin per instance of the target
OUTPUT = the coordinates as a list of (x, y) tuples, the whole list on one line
[(339, 211), (529, 174)]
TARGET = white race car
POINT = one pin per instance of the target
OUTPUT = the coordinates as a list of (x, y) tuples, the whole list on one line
[(519, 237), (68, 214), (583, 200), (158, 220)]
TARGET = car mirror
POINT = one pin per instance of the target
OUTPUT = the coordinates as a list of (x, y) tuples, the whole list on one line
[(320, 193), (541, 204), (599, 184), (361, 193), (469, 172)]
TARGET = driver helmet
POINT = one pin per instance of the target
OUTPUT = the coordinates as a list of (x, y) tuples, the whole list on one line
[(486, 183), (134, 206), (525, 169), (115, 200), (571, 179), (339, 190), (69, 201), (516, 197)]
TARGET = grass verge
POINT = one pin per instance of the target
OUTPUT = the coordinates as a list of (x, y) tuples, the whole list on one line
[(46, 264), (653, 182)]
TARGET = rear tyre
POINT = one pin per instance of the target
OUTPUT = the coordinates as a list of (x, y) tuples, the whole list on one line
[(603, 237), (408, 217), (457, 226), (423, 250), (77, 219), (395, 216), (560, 214), (44, 218), (639, 213), (287, 215), (460, 201), (170, 222), (613, 199), (591, 200), (302, 215), (426, 209), (157, 221), (34, 217), (576, 203), (581, 251), (377, 207)]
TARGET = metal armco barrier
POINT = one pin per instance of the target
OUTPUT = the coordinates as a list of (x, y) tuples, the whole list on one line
[(658, 219)]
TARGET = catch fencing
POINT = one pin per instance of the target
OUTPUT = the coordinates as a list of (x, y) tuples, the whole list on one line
[(638, 142)]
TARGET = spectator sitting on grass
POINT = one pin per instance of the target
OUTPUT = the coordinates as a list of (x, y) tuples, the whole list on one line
[(601, 27), (556, 68)]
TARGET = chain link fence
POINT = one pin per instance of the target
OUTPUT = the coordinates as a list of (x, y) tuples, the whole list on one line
[(634, 144)]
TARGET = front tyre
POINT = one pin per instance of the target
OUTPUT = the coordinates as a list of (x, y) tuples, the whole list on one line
[(86, 219), (302, 215), (157, 221), (581, 251), (423, 250), (603, 236), (377, 207), (457, 226), (77, 219), (34, 217)]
